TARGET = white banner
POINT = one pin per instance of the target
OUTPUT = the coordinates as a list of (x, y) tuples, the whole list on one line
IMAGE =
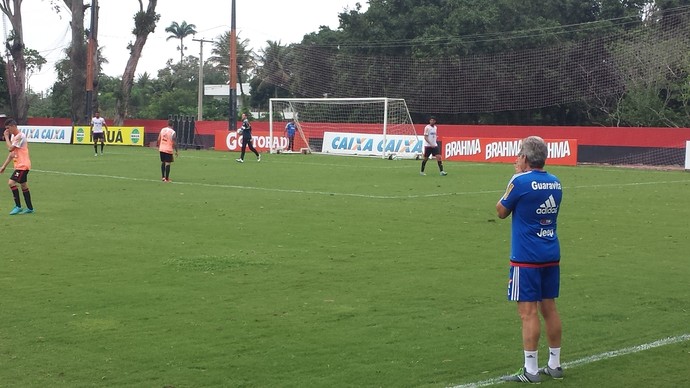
[(46, 134), (371, 144)]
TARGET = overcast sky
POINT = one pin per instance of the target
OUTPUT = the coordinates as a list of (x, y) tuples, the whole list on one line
[(286, 21)]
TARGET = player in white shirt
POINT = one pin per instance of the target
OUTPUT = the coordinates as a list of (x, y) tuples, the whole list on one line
[(97, 125), (431, 146)]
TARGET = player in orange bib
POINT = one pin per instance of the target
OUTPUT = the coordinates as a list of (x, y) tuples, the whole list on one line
[(167, 145), (18, 147)]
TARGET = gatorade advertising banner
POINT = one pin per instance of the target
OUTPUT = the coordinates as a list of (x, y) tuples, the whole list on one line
[(129, 136), (504, 150), (231, 141)]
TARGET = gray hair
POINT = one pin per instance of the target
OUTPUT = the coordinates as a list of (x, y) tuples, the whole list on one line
[(535, 150)]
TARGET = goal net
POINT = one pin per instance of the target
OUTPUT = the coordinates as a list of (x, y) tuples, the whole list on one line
[(380, 127)]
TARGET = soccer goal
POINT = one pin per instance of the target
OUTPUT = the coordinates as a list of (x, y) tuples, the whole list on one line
[(380, 127)]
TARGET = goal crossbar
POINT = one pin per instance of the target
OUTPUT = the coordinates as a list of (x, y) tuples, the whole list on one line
[(367, 126)]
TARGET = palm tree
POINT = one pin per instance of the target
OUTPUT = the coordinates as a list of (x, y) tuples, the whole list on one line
[(220, 57), (275, 66), (180, 31)]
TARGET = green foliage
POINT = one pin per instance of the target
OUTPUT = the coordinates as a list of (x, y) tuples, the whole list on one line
[(108, 91), (4, 93), (34, 60), (145, 22), (220, 56), (349, 272), (216, 109), (180, 31), (174, 91), (177, 101), (274, 77), (419, 31), (61, 92), (40, 105)]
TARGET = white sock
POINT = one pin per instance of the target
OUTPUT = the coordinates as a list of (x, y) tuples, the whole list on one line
[(531, 362), (554, 358)]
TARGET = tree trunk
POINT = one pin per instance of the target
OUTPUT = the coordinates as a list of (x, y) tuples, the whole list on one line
[(95, 59), (145, 23), (16, 67), (77, 57)]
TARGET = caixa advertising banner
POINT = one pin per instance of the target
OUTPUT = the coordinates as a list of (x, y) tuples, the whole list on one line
[(46, 134), (505, 150), (231, 141), (370, 144), (129, 136)]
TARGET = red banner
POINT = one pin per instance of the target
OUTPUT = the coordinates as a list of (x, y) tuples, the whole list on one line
[(504, 150), (230, 141)]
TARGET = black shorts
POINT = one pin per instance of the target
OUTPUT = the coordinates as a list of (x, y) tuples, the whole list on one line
[(20, 176), (99, 136), (428, 151), (166, 157)]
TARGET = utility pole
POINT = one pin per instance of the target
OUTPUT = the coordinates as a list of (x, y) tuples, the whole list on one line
[(200, 101), (232, 69), (91, 58)]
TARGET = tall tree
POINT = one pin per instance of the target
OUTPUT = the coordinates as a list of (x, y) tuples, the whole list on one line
[(77, 56), (220, 57), (34, 62), (274, 73), (144, 24), (4, 94), (396, 37), (61, 89), (95, 60), (180, 31), (16, 66)]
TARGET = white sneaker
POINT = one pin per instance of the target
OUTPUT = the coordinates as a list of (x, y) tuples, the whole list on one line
[(239, 160), (443, 173), (96, 154), (422, 173), (258, 158)]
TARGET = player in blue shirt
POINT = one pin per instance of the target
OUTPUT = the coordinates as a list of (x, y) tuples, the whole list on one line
[(533, 197), (290, 129)]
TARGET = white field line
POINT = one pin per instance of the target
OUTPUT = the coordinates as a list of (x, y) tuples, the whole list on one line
[(356, 195), (276, 190), (227, 157), (595, 358)]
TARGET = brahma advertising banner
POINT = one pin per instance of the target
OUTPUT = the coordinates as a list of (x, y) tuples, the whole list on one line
[(505, 150), (371, 144), (130, 136)]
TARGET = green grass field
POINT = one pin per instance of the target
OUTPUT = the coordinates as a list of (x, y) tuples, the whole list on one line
[(317, 271)]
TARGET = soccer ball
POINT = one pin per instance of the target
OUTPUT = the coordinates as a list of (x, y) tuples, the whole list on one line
[(239, 131)]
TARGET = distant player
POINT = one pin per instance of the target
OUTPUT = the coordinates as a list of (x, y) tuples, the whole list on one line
[(97, 133), (431, 146), (18, 148), (167, 144), (290, 129)]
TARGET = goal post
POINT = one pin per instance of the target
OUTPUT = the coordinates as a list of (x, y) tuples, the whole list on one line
[(380, 127)]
